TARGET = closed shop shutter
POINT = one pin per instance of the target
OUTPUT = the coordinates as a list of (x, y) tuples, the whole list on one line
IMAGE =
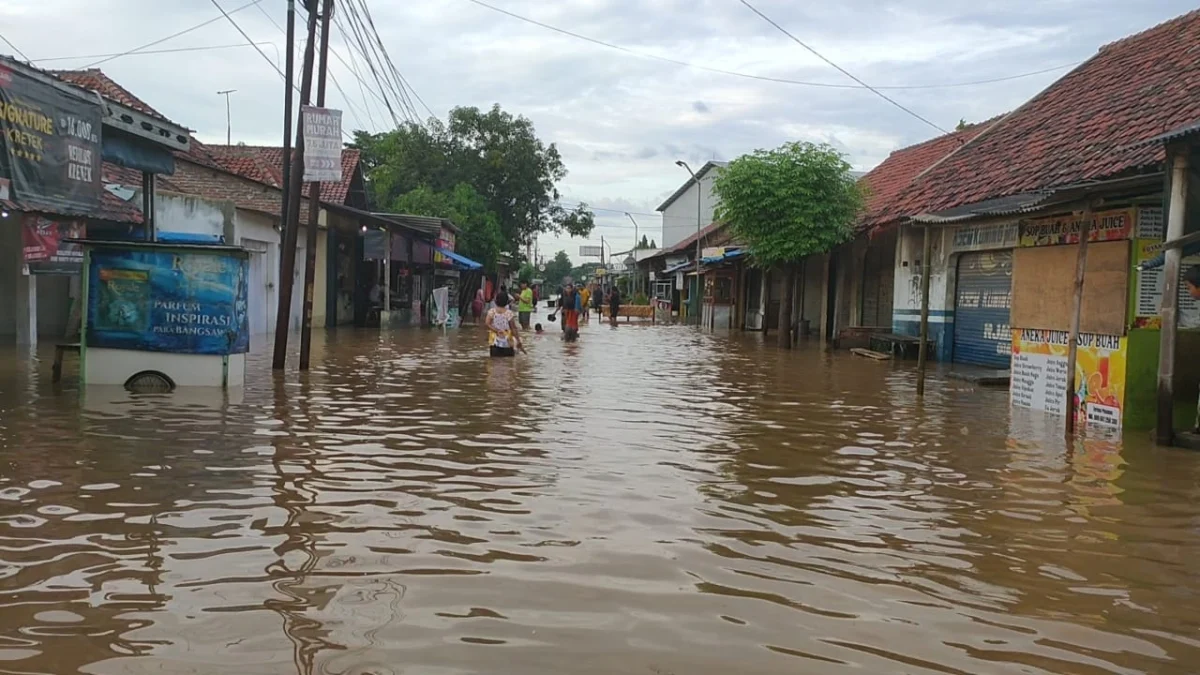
[(983, 296)]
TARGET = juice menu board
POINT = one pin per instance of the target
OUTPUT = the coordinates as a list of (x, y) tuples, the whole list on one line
[(1039, 375)]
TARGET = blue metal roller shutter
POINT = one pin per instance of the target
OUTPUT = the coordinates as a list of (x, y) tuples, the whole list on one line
[(983, 296)]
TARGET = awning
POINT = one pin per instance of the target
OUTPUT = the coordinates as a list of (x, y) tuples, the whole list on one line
[(461, 262), (727, 256), (679, 268)]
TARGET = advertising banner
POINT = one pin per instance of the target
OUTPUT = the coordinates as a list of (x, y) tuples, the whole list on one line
[(984, 237), (1039, 375), (1106, 226), (322, 144), (51, 150), (184, 302), (44, 249)]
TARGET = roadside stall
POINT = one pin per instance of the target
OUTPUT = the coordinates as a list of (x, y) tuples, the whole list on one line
[(164, 315)]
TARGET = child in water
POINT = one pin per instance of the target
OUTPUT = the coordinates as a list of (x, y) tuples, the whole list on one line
[(504, 338)]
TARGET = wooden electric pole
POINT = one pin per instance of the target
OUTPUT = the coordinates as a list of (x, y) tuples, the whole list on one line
[(287, 258), (314, 203)]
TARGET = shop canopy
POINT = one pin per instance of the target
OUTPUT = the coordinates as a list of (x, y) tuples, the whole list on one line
[(461, 262), (726, 256)]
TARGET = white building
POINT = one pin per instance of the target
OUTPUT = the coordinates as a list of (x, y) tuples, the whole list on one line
[(679, 210)]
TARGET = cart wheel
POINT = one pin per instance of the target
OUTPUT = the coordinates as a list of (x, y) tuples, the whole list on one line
[(149, 382)]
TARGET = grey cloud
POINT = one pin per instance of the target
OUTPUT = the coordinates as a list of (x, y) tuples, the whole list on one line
[(700, 107)]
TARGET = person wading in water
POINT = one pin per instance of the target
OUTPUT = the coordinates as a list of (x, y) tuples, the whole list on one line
[(569, 305), (504, 338)]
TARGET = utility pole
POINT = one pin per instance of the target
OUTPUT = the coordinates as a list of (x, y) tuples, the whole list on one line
[(637, 276), (314, 203), (228, 117), (287, 258)]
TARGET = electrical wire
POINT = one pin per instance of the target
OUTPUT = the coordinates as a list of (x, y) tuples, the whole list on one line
[(367, 10), (337, 85), (172, 36), (150, 51), (362, 50), (840, 69), (249, 40), (762, 78), (367, 31), (15, 48)]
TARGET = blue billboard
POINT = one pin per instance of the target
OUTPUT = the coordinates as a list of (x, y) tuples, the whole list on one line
[(184, 301)]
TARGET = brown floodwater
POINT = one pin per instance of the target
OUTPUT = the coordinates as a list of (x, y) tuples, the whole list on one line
[(648, 500)]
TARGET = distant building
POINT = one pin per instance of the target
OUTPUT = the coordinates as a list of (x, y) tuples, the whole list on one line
[(679, 210)]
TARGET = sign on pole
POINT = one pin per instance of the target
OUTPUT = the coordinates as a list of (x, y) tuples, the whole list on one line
[(591, 251), (322, 144)]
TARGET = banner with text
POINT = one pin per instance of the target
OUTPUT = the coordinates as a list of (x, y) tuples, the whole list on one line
[(322, 144), (43, 245), (51, 148), (1106, 226), (185, 302), (1039, 375)]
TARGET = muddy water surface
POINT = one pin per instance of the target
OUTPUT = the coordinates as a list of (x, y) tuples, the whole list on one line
[(649, 500)]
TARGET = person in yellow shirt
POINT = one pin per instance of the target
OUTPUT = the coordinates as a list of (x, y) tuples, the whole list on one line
[(584, 295)]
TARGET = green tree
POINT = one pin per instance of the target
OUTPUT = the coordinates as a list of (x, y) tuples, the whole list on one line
[(479, 234), (644, 243), (496, 153), (653, 244), (786, 204), (527, 273), (557, 269)]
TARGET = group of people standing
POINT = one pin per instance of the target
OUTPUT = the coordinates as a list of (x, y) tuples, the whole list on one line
[(574, 306)]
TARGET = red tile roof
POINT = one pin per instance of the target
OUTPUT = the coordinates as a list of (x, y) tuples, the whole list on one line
[(1080, 128), (265, 163), (217, 183), (886, 183), (95, 79)]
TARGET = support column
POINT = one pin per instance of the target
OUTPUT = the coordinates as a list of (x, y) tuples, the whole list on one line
[(25, 307), (1164, 432)]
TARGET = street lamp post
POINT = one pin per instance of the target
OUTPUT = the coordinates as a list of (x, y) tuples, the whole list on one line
[(699, 197), (636, 243), (228, 117)]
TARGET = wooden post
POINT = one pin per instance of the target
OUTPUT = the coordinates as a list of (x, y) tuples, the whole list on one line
[(926, 267), (1085, 231), (1164, 432), (314, 203)]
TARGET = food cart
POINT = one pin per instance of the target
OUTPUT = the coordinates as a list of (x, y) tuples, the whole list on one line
[(164, 315)]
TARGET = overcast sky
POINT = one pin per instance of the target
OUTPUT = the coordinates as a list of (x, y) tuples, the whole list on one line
[(620, 120)]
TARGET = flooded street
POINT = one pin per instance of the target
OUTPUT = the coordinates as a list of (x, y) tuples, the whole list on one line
[(649, 500)]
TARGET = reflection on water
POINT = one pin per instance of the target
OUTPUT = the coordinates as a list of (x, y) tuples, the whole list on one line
[(649, 500)]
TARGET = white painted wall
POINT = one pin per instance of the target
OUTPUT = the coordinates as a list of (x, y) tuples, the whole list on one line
[(115, 366), (679, 219), (189, 214), (256, 232)]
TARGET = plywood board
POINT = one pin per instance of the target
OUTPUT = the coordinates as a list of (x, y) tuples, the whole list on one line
[(1044, 287)]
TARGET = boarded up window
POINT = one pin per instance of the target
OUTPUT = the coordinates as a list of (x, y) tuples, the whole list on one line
[(1044, 288)]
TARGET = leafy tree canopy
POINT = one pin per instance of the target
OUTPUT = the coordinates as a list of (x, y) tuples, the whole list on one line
[(558, 267), (785, 204), (495, 153)]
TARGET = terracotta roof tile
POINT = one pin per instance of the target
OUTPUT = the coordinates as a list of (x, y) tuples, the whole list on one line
[(217, 183), (95, 79), (1081, 127), (886, 183), (265, 164)]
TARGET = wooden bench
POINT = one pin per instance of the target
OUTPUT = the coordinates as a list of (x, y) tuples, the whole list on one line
[(898, 345), (632, 311), (59, 351)]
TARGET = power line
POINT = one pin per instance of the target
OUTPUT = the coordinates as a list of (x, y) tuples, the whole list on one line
[(840, 69), (761, 78), (249, 40), (362, 50), (185, 31), (148, 51), (336, 84), (386, 55), (15, 48)]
